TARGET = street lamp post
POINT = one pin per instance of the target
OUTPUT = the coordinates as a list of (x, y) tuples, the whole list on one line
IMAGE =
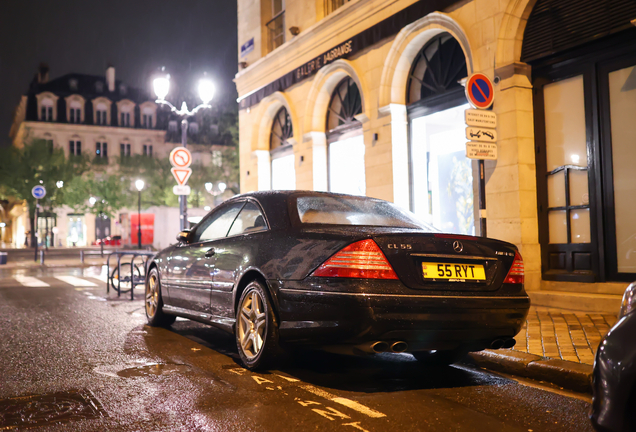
[(139, 184), (161, 87)]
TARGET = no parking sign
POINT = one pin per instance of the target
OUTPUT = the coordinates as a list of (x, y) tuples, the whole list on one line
[(479, 91)]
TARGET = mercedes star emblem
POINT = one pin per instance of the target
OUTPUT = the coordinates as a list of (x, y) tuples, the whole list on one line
[(458, 246)]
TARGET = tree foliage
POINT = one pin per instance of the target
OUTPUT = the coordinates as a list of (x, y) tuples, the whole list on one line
[(38, 163)]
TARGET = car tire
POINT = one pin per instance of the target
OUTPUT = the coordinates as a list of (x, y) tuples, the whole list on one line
[(154, 302), (256, 329), (439, 358)]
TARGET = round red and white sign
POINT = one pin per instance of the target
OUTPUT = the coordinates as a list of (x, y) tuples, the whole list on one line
[(180, 157), (479, 91)]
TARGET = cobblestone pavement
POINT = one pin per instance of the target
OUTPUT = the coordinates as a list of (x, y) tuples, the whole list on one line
[(566, 335)]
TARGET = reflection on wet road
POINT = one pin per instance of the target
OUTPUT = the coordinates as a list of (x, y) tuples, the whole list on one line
[(69, 337)]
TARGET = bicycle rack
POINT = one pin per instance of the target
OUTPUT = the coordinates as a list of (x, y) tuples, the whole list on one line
[(133, 283)]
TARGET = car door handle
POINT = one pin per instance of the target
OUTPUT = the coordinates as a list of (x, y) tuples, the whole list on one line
[(210, 252)]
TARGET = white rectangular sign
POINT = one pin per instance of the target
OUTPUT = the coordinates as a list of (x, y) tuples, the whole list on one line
[(480, 150), (482, 118), (181, 190), (481, 134)]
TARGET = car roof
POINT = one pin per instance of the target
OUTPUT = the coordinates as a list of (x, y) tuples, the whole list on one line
[(275, 203)]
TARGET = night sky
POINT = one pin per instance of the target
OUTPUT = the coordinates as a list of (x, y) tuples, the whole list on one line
[(188, 37)]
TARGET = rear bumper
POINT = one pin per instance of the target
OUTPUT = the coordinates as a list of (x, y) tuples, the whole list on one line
[(424, 321)]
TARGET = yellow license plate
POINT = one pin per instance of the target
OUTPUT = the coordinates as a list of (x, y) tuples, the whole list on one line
[(454, 272)]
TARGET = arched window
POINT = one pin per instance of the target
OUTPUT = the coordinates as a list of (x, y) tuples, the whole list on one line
[(345, 104), (345, 140), (282, 152), (437, 69), (441, 176)]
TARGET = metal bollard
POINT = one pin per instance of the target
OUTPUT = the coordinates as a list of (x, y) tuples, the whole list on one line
[(41, 256), (82, 257)]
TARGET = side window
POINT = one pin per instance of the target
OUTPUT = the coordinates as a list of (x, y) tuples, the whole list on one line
[(248, 221), (218, 224)]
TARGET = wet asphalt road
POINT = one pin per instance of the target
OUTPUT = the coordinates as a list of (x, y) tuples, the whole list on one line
[(120, 375)]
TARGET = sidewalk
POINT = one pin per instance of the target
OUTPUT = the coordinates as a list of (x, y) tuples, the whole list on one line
[(565, 335), (554, 345)]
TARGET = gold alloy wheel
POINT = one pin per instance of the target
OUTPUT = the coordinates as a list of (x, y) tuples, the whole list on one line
[(152, 296), (252, 325)]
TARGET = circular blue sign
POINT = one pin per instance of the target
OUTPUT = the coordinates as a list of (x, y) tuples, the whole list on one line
[(38, 192)]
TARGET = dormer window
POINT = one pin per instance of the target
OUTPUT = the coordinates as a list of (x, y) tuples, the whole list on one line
[(75, 114), (125, 119), (101, 113), (126, 110), (194, 128), (122, 89), (172, 126), (147, 121), (72, 83), (75, 109), (99, 87), (47, 106), (148, 111), (46, 111)]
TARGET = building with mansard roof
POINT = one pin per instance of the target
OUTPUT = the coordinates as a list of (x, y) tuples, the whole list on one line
[(106, 119)]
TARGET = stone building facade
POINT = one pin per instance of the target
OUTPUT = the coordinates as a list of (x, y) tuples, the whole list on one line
[(104, 119), (366, 97)]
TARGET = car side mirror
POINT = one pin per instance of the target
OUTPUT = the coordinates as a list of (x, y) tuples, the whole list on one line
[(183, 236)]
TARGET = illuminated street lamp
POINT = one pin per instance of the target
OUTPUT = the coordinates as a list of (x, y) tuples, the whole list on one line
[(139, 184), (161, 86)]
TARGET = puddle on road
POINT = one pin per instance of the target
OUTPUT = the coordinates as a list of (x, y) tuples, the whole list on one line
[(143, 369), (154, 370), (46, 409)]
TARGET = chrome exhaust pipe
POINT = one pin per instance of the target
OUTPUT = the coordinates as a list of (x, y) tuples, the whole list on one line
[(399, 347), (497, 343), (379, 347), (509, 343)]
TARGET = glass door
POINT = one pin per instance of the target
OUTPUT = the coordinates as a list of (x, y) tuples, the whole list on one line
[(618, 105)]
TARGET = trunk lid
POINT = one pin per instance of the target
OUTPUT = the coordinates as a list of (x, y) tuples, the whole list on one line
[(453, 262)]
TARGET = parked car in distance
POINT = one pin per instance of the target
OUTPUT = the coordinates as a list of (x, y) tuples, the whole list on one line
[(338, 272), (614, 378), (109, 241)]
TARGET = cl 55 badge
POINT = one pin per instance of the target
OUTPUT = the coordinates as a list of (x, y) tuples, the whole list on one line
[(399, 246)]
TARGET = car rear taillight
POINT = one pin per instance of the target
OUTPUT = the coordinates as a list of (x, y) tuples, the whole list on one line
[(362, 259), (515, 275)]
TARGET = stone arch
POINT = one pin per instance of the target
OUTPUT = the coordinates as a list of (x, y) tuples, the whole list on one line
[(265, 115), (323, 87), (407, 45), (513, 26)]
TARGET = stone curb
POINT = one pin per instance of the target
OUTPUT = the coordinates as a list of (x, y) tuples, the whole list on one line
[(569, 375)]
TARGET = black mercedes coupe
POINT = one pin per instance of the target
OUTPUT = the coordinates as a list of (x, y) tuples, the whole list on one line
[(343, 273)]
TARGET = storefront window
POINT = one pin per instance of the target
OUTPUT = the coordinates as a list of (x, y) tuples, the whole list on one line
[(442, 175), (76, 231), (566, 159), (622, 96), (346, 142)]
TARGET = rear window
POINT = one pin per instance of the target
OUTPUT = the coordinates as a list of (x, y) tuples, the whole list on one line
[(348, 210)]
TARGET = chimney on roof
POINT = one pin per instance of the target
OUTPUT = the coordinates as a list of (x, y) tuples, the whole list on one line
[(43, 73), (110, 78)]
